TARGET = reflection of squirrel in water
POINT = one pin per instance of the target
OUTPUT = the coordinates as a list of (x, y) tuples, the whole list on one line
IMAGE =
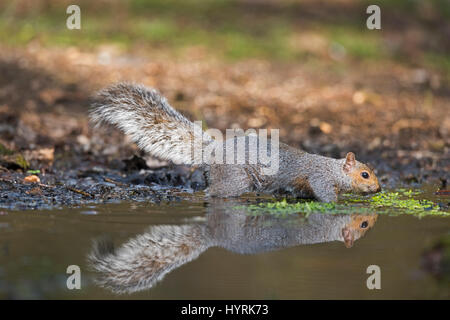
[(144, 260), (163, 132)]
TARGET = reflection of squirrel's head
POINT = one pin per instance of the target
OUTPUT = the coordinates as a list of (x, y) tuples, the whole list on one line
[(362, 176), (357, 227)]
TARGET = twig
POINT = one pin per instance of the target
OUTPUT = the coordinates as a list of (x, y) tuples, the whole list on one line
[(120, 184), (46, 186), (7, 181), (80, 192), (442, 193)]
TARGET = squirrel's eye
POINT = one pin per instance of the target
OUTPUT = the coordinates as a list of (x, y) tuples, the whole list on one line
[(364, 225), (365, 175)]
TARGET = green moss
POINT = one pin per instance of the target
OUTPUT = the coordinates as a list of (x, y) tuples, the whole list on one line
[(282, 208), (21, 162), (4, 151), (403, 203), (363, 44), (440, 61), (389, 203)]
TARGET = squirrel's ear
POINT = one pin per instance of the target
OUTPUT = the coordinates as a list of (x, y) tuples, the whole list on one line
[(350, 162), (348, 237)]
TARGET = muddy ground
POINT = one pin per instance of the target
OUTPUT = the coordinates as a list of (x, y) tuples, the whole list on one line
[(396, 118)]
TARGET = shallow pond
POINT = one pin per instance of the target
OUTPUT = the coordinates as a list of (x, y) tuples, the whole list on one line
[(214, 249)]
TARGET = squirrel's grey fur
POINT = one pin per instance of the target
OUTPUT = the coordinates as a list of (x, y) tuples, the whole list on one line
[(145, 259), (145, 116), (158, 129)]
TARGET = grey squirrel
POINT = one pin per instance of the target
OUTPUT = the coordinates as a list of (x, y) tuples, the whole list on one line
[(144, 115), (147, 258)]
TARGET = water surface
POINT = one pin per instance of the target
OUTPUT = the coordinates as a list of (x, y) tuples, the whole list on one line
[(219, 254)]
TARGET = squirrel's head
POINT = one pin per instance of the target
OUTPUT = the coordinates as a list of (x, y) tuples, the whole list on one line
[(363, 179), (357, 227)]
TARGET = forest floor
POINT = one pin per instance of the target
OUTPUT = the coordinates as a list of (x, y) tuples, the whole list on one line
[(391, 113), (383, 115)]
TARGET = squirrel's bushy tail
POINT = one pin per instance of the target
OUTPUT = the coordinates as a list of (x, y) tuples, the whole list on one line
[(143, 261), (146, 116)]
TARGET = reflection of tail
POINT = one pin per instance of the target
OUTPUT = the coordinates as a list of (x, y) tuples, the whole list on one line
[(143, 261)]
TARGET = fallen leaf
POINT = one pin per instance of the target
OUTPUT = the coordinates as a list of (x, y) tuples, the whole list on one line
[(32, 179), (50, 96), (44, 154), (325, 127), (35, 191)]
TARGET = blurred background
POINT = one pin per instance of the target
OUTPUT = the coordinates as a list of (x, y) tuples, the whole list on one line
[(309, 68)]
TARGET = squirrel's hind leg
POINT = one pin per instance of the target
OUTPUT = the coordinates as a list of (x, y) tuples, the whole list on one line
[(228, 181)]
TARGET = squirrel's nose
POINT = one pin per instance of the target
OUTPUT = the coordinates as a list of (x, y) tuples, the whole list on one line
[(378, 189)]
